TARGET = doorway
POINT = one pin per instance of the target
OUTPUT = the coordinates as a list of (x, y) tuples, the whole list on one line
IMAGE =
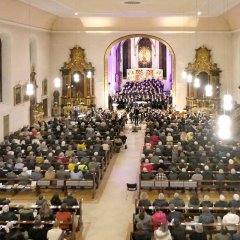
[(45, 107)]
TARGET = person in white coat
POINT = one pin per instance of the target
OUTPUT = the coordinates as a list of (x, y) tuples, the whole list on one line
[(231, 218), (162, 233)]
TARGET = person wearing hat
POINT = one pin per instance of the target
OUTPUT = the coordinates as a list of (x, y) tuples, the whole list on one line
[(198, 233), (6, 215)]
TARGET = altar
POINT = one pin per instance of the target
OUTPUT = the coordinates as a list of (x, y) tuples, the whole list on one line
[(144, 73)]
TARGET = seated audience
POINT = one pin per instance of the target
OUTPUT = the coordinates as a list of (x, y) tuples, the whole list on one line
[(55, 200), (198, 233), (206, 217), (206, 201), (174, 215), (50, 174), (38, 231), (221, 202), (64, 216), (178, 231), (55, 232), (46, 213), (70, 200), (143, 218), (160, 201), (6, 215), (231, 218), (144, 200), (26, 213), (140, 233), (76, 174), (162, 232), (194, 201), (177, 201), (223, 235), (235, 202), (158, 218), (41, 200)]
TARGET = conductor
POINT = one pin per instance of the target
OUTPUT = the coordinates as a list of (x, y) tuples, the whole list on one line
[(136, 116)]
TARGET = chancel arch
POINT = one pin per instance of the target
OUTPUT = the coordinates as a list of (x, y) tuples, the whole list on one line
[(112, 81)]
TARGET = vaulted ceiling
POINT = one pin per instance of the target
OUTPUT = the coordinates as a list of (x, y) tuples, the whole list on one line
[(115, 15)]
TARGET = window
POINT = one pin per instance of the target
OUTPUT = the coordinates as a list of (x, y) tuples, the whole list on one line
[(0, 70)]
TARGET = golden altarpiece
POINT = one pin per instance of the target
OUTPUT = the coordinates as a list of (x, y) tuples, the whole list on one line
[(78, 82), (208, 73)]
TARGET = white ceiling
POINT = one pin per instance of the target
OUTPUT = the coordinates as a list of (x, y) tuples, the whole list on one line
[(147, 8)]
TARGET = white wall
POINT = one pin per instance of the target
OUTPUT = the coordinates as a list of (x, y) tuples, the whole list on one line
[(183, 45), (53, 50), (236, 67), (16, 70)]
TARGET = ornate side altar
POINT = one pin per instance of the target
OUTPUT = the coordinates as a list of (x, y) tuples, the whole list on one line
[(78, 82), (208, 73)]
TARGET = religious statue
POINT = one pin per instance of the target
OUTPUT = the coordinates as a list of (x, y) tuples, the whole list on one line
[(56, 95)]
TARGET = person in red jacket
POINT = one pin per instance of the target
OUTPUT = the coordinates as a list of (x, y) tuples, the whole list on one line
[(64, 216)]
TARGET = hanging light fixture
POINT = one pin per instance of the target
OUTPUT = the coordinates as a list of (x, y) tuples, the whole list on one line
[(57, 82), (30, 89), (189, 78), (184, 74), (227, 102), (208, 90), (224, 125), (196, 82), (76, 77)]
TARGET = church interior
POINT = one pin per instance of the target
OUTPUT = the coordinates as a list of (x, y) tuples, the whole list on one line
[(101, 94)]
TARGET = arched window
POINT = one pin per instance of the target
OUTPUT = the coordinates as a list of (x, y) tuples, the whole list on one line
[(0, 70), (126, 48)]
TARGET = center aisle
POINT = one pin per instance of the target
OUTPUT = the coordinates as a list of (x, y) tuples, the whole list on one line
[(111, 217)]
